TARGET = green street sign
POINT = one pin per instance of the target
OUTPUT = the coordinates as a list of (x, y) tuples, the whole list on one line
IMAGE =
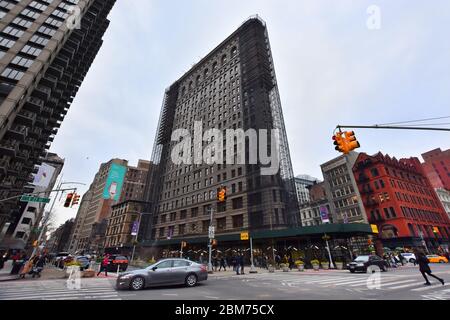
[(26, 198)]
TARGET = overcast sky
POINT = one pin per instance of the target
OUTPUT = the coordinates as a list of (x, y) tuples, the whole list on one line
[(331, 69)]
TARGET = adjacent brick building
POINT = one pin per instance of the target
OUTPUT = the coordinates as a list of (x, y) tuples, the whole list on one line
[(436, 166), (400, 200)]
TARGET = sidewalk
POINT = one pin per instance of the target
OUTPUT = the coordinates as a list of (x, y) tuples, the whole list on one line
[(49, 273)]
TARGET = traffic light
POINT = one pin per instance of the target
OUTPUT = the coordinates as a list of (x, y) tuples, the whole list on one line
[(345, 141), (68, 200), (221, 195), (76, 199), (351, 141), (214, 242), (339, 142)]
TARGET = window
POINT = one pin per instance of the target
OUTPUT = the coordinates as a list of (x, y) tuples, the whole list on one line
[(33, 51), (237, 203), (238, 221), (221, 223), (164, 264), (181, 263), (13, 31), (12, 74), (22, 61), (39, 40), (22, 22), (374, 172), (181, 229), (6, 43)]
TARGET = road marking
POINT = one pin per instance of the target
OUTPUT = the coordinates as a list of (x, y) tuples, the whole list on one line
[(170, 294), (404, 286), (210, 297), (431, 287)]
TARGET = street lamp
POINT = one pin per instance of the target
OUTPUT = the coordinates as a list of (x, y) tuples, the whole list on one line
[(136, 234), (211, 233)]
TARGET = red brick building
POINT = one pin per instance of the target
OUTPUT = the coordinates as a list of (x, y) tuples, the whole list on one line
[(436, 166), (400, 200)]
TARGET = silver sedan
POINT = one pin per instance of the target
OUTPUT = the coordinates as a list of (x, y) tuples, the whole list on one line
[(164, 272)]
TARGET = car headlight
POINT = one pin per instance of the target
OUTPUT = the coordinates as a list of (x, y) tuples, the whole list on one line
[(360, 264)]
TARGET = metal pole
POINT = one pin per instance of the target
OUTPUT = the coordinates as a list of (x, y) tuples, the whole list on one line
[(252, 268), (329, 254), (47, 216), (391, 127), (137, 233), (210, 239)]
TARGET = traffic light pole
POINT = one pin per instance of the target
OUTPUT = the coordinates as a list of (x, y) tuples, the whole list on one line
[(391, 127), (210, 241)]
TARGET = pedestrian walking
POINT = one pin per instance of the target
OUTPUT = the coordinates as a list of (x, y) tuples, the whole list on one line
[(241, 263), (425, 268), (222, 264), (237, 264), (104, 266)]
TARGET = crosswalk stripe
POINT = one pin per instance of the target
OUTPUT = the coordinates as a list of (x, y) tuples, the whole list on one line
[(431, 287), (414, 284)]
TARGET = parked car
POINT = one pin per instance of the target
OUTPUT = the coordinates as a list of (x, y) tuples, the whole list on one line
[(361, 263), (410, 257), (83, 261), (164, 272), (434, 258), (117, 260)]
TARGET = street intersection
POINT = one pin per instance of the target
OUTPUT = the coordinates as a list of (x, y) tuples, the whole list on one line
[(401, 283)]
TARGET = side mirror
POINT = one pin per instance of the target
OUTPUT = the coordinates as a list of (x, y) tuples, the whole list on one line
[(154, 268)]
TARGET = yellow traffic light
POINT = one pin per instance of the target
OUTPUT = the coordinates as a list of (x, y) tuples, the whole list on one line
[(339, 142), (345, 141), (68, 200), (221, 195), (351, 141)]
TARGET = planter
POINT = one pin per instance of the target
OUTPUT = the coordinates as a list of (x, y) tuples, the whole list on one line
[(325, 265), (285, 269), (315, 267), (271, 269), (339, 265), (301, 267), (88, 274)]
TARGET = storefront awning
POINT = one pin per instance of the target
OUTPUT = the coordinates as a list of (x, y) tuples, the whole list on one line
[(343, 230)]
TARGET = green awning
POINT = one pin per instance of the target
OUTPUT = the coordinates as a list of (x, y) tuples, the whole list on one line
[(349, 229)]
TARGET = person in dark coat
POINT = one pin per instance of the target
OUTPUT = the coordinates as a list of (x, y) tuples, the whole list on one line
[(424, 268), (241, 263), (222, 264)]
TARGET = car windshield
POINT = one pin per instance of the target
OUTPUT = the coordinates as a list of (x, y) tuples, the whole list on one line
[(362, 259)]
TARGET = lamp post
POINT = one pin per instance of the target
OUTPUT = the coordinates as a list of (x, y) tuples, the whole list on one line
[(326, 237), (136, 234)]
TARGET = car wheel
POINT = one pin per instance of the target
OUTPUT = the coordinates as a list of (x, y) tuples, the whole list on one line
[(441, 261), (383, 268), (352, 271), (137, 283), (412, 260), (191, 280)]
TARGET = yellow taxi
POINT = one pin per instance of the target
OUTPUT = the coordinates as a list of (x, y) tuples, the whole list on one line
[(434, 258)]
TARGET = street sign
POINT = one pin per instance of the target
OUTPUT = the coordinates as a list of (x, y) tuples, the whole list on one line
[(374, 228), (211, 232), (244, 235), (26, 198)]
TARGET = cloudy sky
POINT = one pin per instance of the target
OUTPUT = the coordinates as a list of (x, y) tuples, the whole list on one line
[(331, 69)]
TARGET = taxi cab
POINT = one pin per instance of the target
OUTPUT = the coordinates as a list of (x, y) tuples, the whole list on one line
[(434, 258)]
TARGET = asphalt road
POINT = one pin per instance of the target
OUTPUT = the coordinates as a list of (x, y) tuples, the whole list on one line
[(397, 284)]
